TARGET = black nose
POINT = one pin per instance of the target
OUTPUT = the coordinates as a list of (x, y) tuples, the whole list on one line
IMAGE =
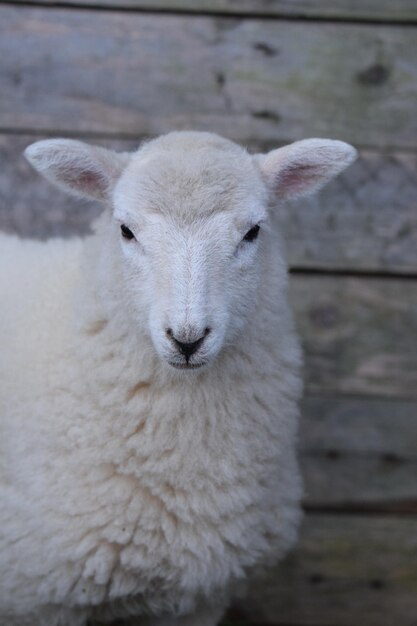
[(187, 348)]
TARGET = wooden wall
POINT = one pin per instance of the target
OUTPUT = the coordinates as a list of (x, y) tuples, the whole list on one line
[(266, 72)]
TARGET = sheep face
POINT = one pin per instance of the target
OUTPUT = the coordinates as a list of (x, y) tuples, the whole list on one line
[(190, 221), (190, 226)]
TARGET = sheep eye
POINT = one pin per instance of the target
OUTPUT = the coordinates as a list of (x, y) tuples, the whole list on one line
[(126, 232), (252, 234)]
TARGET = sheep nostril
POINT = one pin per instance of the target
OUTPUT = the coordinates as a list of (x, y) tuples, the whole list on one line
[(168, 332), (207, 331)]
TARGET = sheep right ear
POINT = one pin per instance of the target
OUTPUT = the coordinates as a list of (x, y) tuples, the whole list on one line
[(77, 167), (303, 167)]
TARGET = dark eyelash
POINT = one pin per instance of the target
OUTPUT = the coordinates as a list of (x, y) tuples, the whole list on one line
[(252, 234)]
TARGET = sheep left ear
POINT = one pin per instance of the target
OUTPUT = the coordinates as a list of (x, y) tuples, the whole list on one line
[(301, 168), (76, 167)]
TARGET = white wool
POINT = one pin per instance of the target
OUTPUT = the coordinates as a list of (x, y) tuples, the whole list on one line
[(129, 487)]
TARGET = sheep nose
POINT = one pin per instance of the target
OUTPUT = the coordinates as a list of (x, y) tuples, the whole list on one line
[(187, 348)]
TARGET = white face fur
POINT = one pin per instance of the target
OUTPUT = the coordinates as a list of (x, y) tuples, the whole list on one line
[(189, 210)]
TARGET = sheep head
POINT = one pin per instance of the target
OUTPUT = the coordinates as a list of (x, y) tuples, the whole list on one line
[(190, 214)]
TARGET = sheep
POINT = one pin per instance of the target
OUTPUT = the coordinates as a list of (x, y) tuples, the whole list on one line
[(150, 377)]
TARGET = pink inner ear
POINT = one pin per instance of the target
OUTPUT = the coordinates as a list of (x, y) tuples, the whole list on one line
[(296, 178), (87, 181)]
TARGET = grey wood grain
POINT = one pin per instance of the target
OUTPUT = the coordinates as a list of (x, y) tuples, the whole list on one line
[(116, 72), (359, 453), (353, 9), (346, 570), (365, 220), (359, 334)]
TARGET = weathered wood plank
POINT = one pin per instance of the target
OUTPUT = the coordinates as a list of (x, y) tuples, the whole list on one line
[(365, 220), (363, 426), (115, 72), (346, 570), (359, 334), (380, 10), (359, 453)]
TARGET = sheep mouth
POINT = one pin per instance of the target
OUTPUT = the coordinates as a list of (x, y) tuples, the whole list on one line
[(187, 366)]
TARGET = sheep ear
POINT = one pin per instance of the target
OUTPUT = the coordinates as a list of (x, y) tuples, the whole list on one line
[(76, 167), (301, 168)]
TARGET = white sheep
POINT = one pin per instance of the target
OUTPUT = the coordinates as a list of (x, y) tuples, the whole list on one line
[(150, 375)]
